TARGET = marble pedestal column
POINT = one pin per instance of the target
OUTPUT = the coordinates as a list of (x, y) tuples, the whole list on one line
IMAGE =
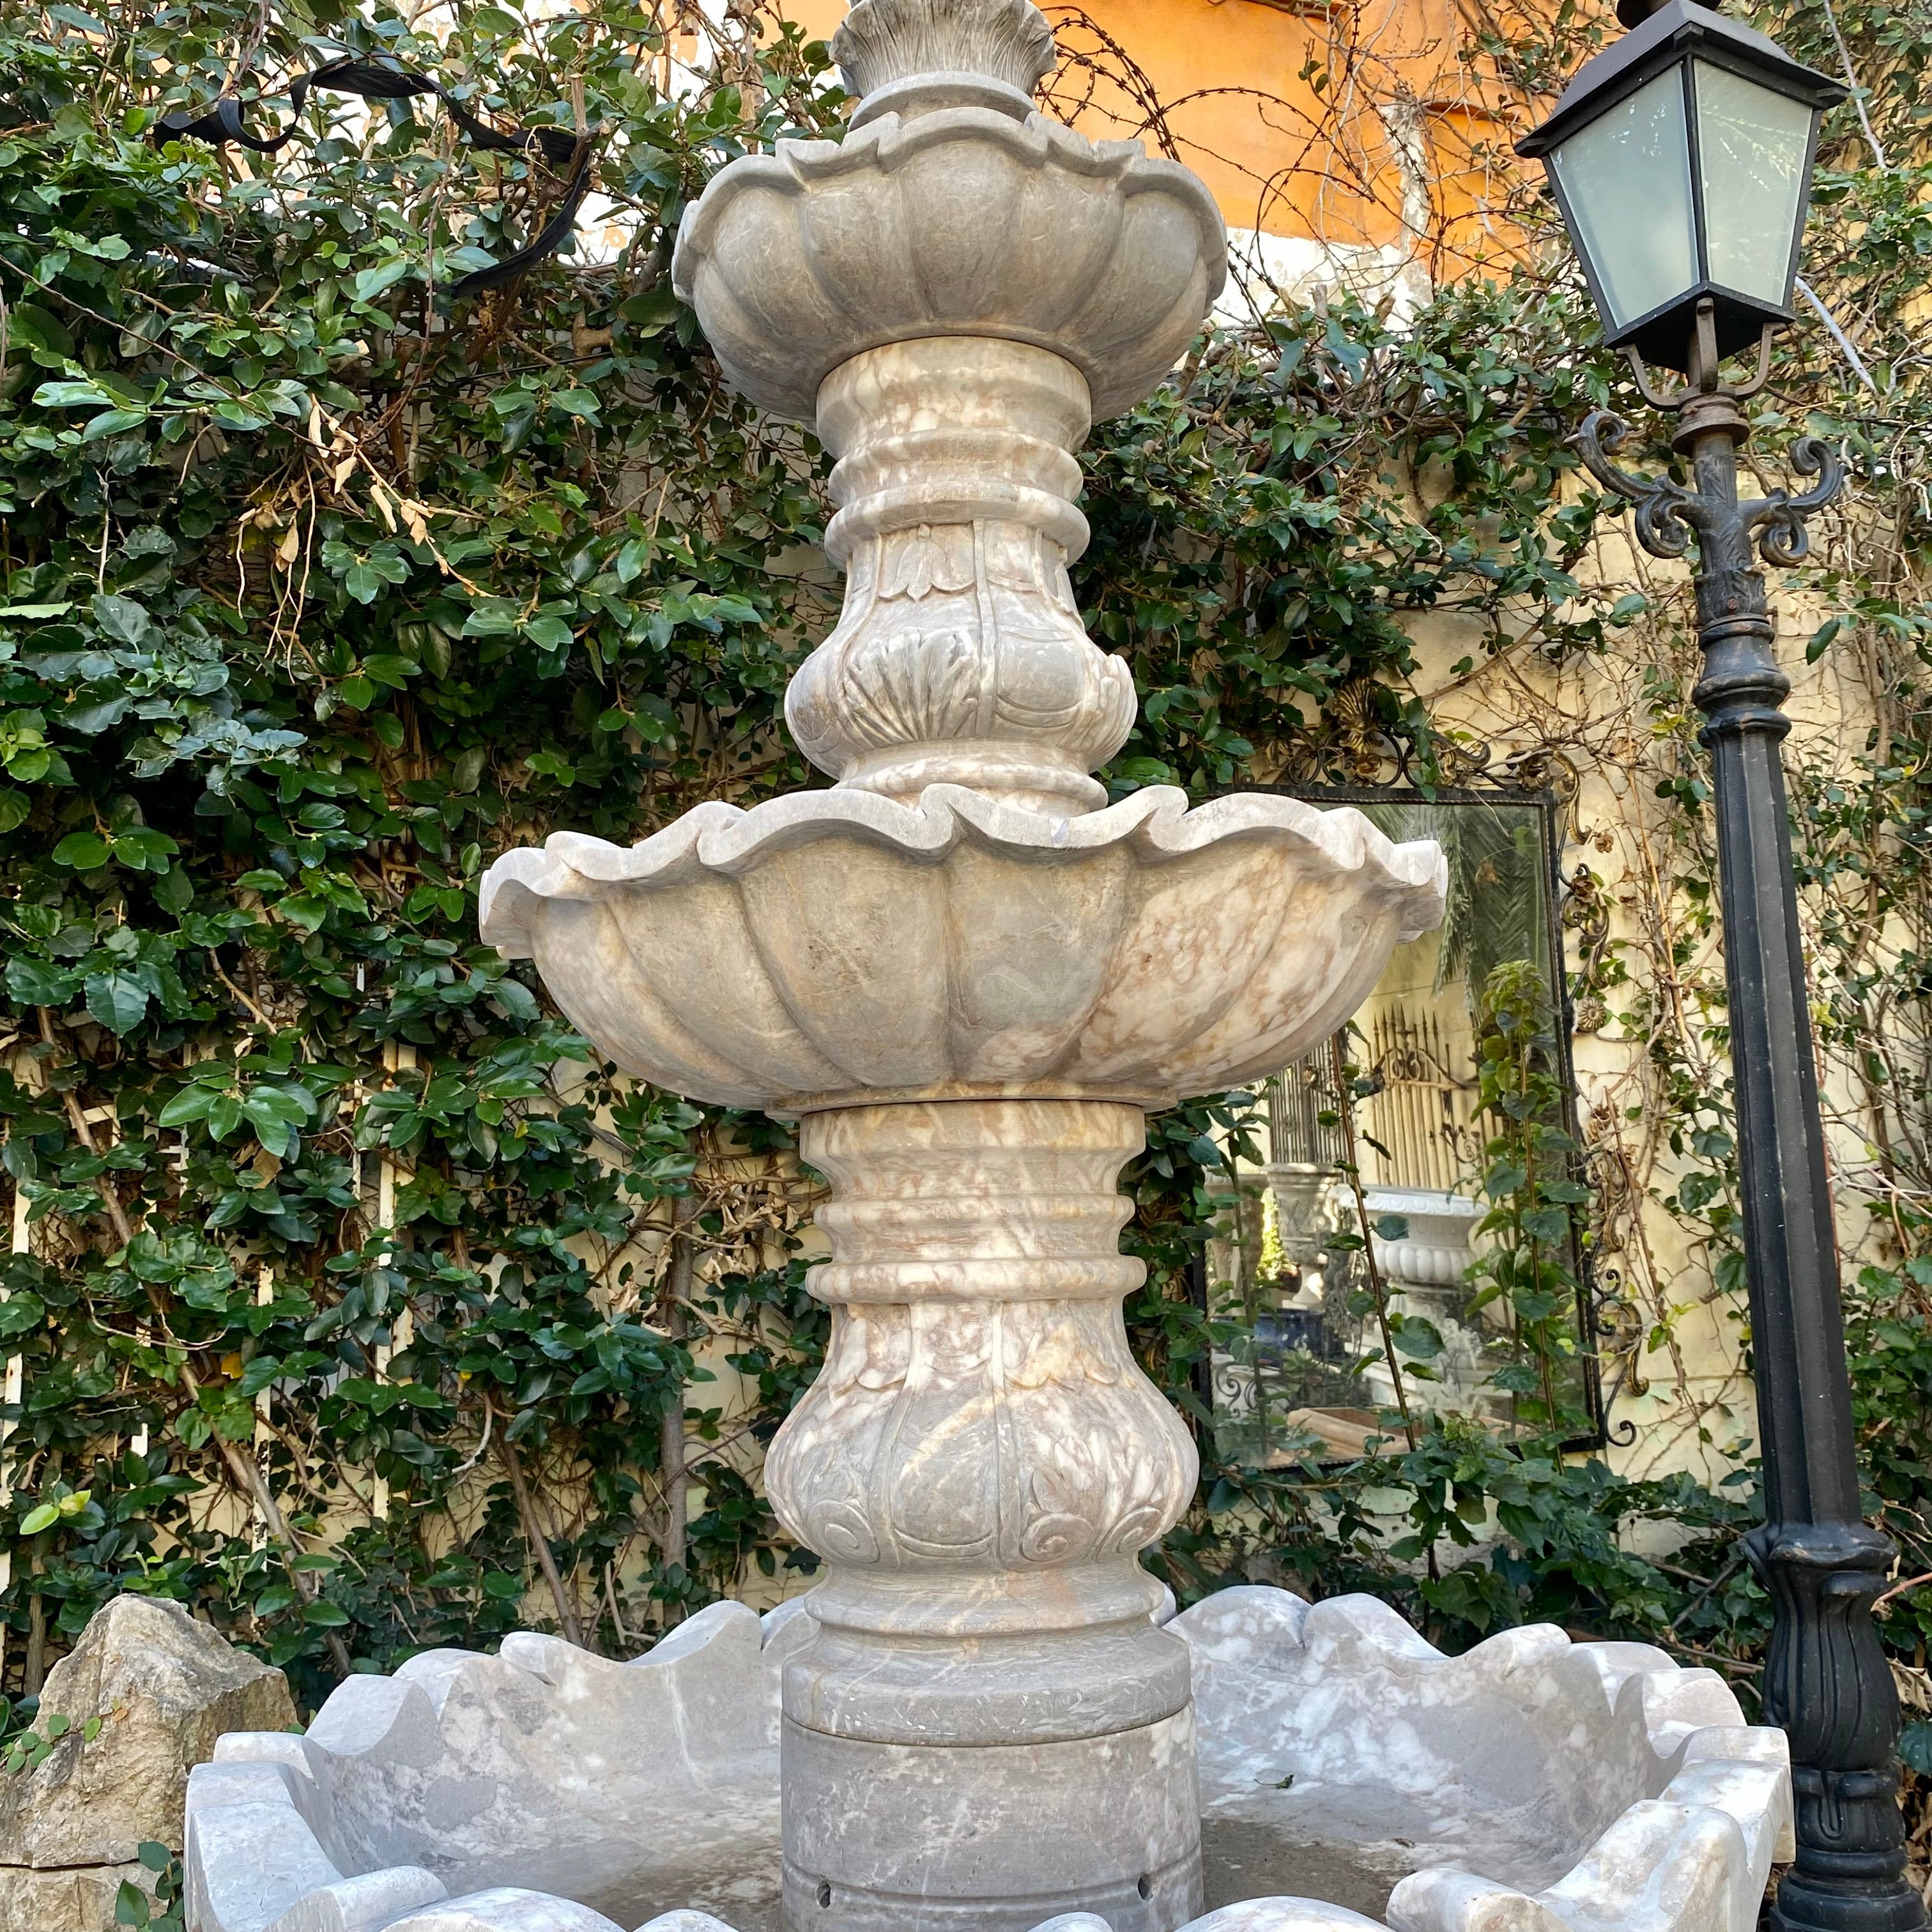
[(987, 1730)]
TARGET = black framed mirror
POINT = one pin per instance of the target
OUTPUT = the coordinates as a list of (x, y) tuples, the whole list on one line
[(1410, 1239)]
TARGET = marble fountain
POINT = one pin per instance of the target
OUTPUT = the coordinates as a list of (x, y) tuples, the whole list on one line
[(969, 978)]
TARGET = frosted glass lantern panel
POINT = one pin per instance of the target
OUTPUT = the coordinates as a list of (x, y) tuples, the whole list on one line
[(1627, 178), (1751, 147)]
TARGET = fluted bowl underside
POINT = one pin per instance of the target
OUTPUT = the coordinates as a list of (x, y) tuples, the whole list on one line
[(964, 221), (834, 946)]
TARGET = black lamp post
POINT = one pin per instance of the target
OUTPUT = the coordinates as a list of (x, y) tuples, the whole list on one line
[(1681, 158)]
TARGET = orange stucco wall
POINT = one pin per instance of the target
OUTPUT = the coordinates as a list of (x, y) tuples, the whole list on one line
[(1284, 107)]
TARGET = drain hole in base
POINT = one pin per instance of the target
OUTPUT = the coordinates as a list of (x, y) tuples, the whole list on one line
[(1145, 1888), (825, 1894)]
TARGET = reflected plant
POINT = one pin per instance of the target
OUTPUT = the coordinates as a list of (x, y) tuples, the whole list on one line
[(1527, 1266)]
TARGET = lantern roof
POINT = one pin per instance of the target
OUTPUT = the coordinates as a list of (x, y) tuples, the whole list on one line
[(1679, 28)]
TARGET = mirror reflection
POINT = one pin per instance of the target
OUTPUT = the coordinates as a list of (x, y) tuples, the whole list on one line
[(1398, 1230)]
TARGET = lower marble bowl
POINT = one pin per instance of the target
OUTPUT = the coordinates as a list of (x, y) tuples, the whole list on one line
[(1352, 1776)]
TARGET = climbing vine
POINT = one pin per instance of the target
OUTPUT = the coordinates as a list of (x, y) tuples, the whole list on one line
[(349, 1297)]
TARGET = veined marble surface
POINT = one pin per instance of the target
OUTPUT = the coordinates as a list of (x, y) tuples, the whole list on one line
[(833, 946), (971, 976), (1531, 1785)]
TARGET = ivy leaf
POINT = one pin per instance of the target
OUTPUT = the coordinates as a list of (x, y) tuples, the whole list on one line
[(239, 416), (493, 617), (370, 283), (143, 849), (124, 620), (1415, 1337), (39, 982), (20, 1314), (392, 670), (548, 633), (85, 851), (111, 422), (34, 327), (117, 1000), (89, 720), (43, 1515), (191, 1103), (516, 999), (1821, 639), (70, 396), (651, 311), (1549, 1225)]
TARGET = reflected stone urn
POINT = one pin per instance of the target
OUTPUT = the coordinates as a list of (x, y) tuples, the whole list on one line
[(969, 978)]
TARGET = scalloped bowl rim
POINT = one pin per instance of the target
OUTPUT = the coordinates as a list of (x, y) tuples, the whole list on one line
[(881, 147), (717, 837)]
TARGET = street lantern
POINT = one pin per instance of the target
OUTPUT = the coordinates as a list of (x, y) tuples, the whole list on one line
[(1681, 157), (1681, 160)]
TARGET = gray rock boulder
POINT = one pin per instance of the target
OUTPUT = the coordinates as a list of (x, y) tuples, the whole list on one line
[(164, 1687), (65, 1901)]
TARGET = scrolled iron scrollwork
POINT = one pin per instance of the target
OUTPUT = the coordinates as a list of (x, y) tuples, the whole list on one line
[(1668, 513), (1666, 510), (1779, 519)]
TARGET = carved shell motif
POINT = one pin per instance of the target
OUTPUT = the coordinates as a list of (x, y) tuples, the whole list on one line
[(832, 942), (962, 222), (964, 630), (882, 41)]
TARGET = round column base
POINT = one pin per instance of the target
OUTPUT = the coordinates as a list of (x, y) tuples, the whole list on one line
[(1807, 1903), (894, 1837)]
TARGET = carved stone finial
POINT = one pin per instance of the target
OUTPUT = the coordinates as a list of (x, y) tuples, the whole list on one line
[(884, 44)]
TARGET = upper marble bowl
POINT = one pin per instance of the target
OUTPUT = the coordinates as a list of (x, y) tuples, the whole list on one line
[(964, 221), (832, 946)]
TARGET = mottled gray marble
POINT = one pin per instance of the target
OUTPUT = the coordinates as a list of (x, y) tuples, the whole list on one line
[(1532, 1785), (835, 946), (971, 977), (1588, 1784)]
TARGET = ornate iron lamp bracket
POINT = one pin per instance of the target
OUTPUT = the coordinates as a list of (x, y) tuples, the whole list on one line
[(1669, 511), (1742, 688)]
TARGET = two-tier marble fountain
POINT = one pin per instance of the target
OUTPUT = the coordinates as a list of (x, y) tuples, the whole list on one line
[(969, 978)]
